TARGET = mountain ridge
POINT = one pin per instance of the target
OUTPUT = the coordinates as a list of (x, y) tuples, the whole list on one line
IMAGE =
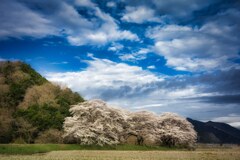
[(215, 132)]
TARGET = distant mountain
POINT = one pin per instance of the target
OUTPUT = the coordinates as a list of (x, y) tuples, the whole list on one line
[(215, 132)]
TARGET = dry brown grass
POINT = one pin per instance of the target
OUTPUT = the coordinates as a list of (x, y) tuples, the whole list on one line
[(200, 154)]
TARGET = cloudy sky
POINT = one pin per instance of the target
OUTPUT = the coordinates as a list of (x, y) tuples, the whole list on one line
[(178, 56)]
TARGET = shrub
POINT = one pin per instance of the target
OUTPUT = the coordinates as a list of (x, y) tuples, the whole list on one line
[(50, 136), (25, 130), (6, 129)]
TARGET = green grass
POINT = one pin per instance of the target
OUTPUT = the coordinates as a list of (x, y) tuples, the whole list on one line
[(119, 152), (27, 148), (43, 148)]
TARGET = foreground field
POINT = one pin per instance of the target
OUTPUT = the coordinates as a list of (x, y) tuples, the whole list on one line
[(206, 153), (130, 155)]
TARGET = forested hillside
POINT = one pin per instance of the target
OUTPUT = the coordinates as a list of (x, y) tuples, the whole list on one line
[(31, 108)]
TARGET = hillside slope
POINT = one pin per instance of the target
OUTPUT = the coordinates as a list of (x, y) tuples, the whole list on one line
[(215, 132), (31, 108)]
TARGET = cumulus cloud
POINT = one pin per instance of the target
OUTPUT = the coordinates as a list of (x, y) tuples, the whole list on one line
[(108, 32), (136, 56), (43, 18), (139, 14), (103, 77), (115, 47), (174, 8), (211, 46)]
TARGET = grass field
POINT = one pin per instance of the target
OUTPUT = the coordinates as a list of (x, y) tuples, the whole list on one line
[(74, 152), (11, 149)]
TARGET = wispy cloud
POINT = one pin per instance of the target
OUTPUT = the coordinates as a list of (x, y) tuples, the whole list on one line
[(56, 63)]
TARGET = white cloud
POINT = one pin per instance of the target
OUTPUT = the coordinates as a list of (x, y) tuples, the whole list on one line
[(116, 47), (151, 67), (85, 3), (231, 119), (62, 20), (108, 31), (148, 106), (139, 14), (136, 56), (235, 124), (198, 49), (19, 21), (228, 119), (174, 8), (124, 85), (111, 4), (90, 55), (103, 74), (120, 84), (186, 92)]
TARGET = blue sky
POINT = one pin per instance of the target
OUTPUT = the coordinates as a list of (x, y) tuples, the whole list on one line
[(163, 56)]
